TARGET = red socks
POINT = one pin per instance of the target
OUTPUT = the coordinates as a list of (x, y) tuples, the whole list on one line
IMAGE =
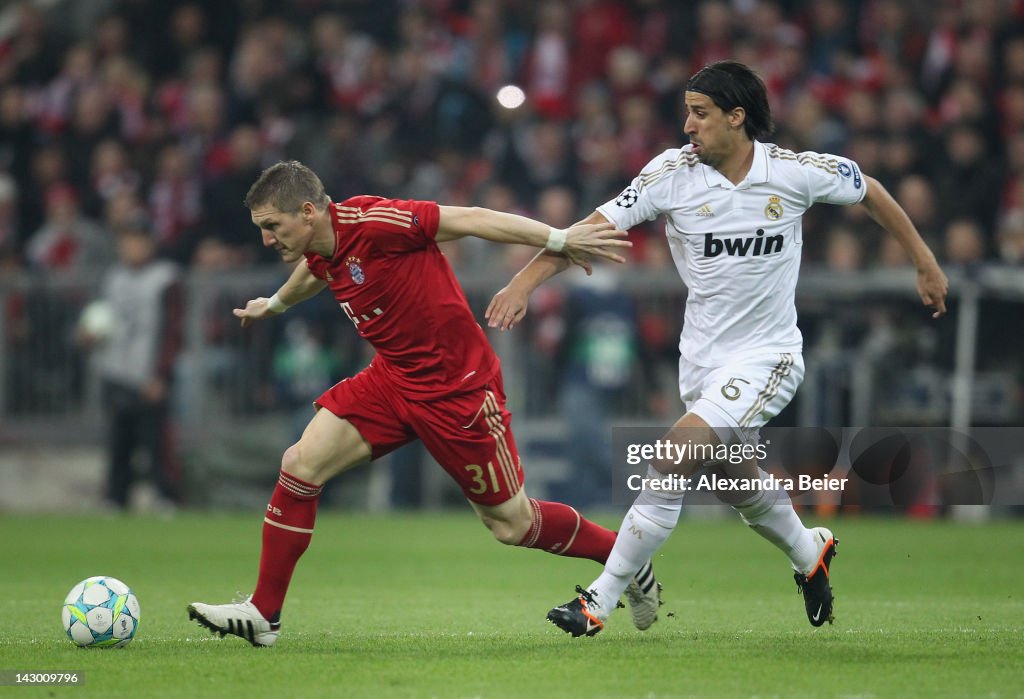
[(287, 530), (560, 529)]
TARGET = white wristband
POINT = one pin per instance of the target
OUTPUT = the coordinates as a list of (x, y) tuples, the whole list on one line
[(276, 305), (556, 239)]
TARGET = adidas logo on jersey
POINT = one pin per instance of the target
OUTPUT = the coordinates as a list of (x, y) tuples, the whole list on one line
[(705, 210), (742, 247)]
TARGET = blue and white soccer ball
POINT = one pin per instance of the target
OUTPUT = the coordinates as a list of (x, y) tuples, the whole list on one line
[(101, 612)]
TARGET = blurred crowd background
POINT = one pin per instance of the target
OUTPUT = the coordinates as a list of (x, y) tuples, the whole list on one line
[(159, 114), (164, 109)]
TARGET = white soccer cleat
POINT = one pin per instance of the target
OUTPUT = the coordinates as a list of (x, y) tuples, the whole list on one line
[(240, 618), (644, 596)]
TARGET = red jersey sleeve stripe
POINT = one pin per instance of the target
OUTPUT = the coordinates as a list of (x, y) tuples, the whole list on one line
[(380, 218), (359, 211)]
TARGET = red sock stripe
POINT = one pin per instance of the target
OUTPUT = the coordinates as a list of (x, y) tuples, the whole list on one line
[(533, 533), (575, 531), (560, 529), (299, 488)]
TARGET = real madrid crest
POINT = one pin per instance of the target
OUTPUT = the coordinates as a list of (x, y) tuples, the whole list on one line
[(774, 208), (355, 269)]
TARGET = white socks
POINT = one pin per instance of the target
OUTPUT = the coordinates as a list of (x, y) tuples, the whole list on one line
[(654, 515), (648, 523), (770, 513)]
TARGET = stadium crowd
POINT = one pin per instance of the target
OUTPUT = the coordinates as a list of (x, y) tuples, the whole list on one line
[(114, 112), (114, 109)]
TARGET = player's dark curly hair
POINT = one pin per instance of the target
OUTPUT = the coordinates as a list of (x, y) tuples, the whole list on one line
[(731, 84), (286, 186)]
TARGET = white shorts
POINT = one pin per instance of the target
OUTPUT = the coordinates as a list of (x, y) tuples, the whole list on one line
[(739, 398)]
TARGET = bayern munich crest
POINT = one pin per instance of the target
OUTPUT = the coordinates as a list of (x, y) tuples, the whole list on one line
[(355, 270)]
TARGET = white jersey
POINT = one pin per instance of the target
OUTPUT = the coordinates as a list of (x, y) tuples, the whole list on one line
[(737, 248)]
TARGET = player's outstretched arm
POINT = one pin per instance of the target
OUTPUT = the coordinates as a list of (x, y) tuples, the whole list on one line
[(932, 284), (578, 242), (300, 286), (509, 305)]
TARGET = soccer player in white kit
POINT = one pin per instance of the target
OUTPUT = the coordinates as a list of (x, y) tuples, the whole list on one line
[(733, 206)]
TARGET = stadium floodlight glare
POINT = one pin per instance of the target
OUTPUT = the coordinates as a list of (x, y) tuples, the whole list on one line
[(511, 96)]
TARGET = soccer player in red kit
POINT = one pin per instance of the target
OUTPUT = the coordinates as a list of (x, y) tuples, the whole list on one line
[(434, 376)]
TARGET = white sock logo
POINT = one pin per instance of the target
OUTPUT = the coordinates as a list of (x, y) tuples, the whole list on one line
[(634, 530)]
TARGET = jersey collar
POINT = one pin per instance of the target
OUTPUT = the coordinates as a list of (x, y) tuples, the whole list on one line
[(758, 173)]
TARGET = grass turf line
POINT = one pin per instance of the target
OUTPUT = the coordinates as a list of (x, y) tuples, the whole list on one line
[(429, 605)]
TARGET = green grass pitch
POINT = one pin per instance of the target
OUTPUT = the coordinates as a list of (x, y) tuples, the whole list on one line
[(430, 606)]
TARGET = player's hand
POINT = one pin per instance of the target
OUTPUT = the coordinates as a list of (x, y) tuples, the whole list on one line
[(932, 286), (586, 240), (254, 310), (580, 261), (507, 308)]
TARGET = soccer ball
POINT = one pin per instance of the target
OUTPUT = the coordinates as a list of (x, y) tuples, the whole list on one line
[(101, 612)]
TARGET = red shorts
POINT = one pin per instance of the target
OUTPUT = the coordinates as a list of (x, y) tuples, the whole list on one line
[(469, 434)]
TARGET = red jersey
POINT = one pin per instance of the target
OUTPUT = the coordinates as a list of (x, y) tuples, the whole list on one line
[(398, 289)]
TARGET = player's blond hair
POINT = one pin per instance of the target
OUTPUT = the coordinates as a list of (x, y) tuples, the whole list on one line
[(287, 186)]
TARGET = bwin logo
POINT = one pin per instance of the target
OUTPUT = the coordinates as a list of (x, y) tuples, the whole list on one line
[(741, 247)]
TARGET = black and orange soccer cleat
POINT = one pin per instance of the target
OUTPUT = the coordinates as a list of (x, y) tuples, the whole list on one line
[(577, 616), (815, 585)]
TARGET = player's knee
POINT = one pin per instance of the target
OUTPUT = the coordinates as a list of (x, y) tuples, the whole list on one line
[(293, 464)]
